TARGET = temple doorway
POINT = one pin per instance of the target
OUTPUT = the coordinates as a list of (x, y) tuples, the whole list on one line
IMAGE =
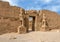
[(31, 23)]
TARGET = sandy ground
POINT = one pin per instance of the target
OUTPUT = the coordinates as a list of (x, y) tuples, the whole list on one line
[(31, 37)]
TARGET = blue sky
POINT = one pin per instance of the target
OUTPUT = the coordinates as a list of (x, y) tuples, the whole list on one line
[(53, 5)]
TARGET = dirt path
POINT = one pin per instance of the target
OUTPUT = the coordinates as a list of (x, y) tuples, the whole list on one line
[(31, 37)]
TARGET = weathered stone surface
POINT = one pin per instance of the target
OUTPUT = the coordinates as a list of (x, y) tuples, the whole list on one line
[(21, 30), (10, 19)]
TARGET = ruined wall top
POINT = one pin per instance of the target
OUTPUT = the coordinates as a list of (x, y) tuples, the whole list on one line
[(4, 4), (10, 11)]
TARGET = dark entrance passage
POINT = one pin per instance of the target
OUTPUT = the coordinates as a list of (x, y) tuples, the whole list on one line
[(31, 23)]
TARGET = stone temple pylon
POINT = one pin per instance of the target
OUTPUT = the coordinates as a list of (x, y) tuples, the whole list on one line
[(21, 28), (44, 26)]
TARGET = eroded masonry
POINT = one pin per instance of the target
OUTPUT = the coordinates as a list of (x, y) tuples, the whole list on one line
[(16, 19)]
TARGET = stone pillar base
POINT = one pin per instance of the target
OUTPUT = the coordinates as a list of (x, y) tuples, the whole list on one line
[(21, 30), (43, 29)]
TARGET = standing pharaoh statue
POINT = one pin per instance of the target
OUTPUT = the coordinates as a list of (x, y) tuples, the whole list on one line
[(44, 23), (21, 28)]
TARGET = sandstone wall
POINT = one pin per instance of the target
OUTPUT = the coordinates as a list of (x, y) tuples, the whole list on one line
[(53, 19), (9, 18)]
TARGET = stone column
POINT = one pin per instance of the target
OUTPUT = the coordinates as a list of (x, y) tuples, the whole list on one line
[(26, 21)]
